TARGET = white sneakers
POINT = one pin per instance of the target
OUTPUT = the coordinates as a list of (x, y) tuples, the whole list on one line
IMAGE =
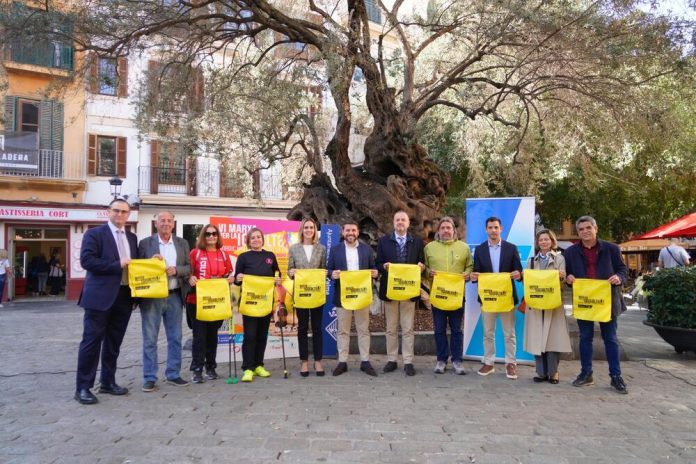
[(440, 367), (458, 368)]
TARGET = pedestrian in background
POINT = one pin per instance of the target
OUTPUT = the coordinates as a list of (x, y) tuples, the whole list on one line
[(5, 270)]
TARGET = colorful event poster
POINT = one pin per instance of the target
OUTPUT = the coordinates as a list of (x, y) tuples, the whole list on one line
[(278, 236), (330, 237), (517, 216)]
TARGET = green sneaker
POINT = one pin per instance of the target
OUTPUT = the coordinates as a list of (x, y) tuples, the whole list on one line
[(248, 376), (261, 372)]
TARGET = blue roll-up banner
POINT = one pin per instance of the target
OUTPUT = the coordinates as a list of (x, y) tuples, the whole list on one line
[(517, 216), (330, 236)]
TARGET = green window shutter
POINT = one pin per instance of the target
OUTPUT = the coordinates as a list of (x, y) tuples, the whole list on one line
[(10, 110), (57, 129), (46, 125)]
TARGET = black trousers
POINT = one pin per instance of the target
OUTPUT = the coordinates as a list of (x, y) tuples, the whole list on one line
[(56, 284), (255, 339), (103, 332), (205, 340), (304, 316)]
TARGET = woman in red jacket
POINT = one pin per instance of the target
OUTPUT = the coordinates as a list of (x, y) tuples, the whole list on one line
[(208, 261)]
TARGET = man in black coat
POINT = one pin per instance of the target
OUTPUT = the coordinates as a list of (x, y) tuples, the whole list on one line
[(403, 248)]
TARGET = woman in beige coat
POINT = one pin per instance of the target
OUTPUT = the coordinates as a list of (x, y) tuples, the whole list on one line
[(546, 331)]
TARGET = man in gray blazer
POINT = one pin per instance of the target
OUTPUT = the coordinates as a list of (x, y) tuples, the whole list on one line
[(175, 252)]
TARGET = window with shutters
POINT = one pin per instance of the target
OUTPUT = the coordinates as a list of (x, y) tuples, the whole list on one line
[(106, 156), (107, 76), (28, 116), (172, 164)]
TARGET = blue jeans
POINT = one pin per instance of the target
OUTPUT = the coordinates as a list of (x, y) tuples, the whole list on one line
[(2, 285), (440, 320), (170, 311), (611, 346)]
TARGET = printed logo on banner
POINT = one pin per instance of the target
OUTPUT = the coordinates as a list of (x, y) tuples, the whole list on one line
[(332, 328)]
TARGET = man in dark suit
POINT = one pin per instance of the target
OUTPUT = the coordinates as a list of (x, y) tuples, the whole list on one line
[(153, 311), (497, 255), (399, 247), (105, 254), (351, 255), (596, 259)]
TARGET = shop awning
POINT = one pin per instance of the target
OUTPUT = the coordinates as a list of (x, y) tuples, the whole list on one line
[(682, 227)]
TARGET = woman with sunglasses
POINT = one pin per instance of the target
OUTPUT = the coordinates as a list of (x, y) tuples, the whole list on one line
[(546, 331), (257, 262), (208, 261), (308, 254)]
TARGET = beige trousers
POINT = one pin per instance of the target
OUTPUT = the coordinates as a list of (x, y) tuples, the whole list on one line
[(362, 325), (489, 321), (400, 312)]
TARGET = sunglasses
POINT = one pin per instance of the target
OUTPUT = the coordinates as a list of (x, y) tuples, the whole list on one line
[(211, 234)]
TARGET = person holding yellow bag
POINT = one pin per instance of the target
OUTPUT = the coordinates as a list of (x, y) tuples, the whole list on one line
[(399, 247), (255, 262), (448, 255), (352, 255), (545, 330), (496, 255), (208, 261), (308, 254), (596, 259)]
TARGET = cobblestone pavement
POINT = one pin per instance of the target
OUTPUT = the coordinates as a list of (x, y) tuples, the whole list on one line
[(352, 418)]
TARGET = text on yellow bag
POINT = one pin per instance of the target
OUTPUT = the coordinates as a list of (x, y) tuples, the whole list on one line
[(257, 295), (495, 292), (592, 300), (542, 288), (356, 289), (447, 292), (403, 281), (213, 300), (310, 288), (147, 278)]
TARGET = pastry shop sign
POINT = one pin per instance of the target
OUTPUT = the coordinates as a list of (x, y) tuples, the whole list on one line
[(58, 214)]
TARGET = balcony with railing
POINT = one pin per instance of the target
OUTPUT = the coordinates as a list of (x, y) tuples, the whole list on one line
[(56, 55), (202, 181), (45, 164)]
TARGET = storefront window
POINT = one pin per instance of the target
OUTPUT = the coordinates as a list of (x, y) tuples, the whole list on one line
[(24, 234), (191, 232), (55, 233)]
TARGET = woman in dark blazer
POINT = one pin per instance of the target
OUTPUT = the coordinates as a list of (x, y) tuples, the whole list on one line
[(308, 254)]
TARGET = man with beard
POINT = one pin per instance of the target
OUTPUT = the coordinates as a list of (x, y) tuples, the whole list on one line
[(351, 255)]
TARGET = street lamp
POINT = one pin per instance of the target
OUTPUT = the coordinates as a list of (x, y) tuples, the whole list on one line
[(115, 183)]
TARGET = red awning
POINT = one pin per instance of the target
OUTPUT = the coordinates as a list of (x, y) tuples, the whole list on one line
[(682, 227)]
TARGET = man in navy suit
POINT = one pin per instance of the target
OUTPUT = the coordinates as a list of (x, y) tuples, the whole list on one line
[(399, 247), (105, 254), (497, 255), (351, 255), (596, 259)]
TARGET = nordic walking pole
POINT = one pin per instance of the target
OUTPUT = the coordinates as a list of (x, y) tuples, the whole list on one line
[(230, 379), (282, 314)]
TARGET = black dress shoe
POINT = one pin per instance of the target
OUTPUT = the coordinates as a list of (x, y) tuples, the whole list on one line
[(304, 373), (540, 379), (113, 389), (409, 370), (84, 396), (340, 369), (367, 368), (618, 384), (389, 367)]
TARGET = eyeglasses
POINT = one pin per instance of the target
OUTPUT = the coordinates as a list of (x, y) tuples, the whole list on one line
[(211, 234), (120, 211)]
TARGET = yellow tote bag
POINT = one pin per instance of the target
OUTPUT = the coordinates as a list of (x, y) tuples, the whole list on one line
[(147, 278), (447, 292), (542, 288), (257, 295), (495, 291), (213, 301), (310, 288), (287, 284), (592, 300), (356, 289), (403, 281)]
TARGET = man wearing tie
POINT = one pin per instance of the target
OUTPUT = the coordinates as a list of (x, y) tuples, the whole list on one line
[(497, 255), (105, 254)]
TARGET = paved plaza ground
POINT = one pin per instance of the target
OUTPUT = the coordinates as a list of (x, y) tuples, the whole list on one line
[(352, 418)]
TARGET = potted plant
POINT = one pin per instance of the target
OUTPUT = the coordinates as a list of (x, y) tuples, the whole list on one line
[(672, 306)]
